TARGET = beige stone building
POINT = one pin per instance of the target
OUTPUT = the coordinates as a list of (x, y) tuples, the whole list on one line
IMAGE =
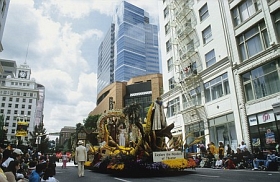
[(142, 89)]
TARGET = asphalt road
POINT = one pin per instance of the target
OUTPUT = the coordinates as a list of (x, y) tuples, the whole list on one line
[(200, 174)]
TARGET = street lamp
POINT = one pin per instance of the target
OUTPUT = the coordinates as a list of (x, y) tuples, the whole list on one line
[(38, 139)]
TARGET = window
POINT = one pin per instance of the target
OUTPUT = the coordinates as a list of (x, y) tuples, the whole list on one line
[(22, 112), (23, 100), (13, 130), (30, 100), (165, 12), (276, 18), (3, 98), (17, 99), (28, 113), (216, 88), (168, 46), (2, 104), (244, 11), (7, 118), (11, 99), (9, 112), (210, 58), (203, 12), (170, 64), (207, 35), (22, 106), (173, 107), (171, 83), (9, 105), (253, 41), (29, 106), (262, 81), (16, 105), (196, 96), (167, 28), (15, 112)]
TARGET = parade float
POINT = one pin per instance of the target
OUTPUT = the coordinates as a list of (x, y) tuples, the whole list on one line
[(129, 145)]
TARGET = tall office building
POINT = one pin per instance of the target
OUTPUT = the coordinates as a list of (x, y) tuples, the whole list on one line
[(221, 70), (21, 99), (4, 6), (130, 48), (105, 71)]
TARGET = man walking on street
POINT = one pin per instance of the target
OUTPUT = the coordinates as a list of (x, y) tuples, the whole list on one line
[(81, 157)]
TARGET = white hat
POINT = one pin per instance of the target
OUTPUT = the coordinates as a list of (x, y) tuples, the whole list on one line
[(18, 151), (80, 142)]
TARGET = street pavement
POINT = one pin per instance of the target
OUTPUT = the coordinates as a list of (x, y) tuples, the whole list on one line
[(200, 174)]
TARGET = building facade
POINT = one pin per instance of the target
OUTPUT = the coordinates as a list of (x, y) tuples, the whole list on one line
[(19, 98), (105, 71), (130, 47), (142, 90), (4, 6), (221, 60), (65, 134)]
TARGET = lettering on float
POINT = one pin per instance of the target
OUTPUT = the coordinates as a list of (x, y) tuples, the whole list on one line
[(167, 155)]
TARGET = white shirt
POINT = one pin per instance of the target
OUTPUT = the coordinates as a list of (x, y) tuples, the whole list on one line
[(50, 179), (7, 162)]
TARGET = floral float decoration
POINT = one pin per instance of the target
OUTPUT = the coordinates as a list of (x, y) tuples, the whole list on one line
[(149, 153)]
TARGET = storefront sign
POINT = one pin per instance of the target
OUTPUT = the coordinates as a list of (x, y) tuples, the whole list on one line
[(166, 155), (253, 120), (266, 117)]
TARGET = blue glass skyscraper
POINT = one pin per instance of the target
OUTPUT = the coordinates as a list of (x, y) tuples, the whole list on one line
[(135, 46)]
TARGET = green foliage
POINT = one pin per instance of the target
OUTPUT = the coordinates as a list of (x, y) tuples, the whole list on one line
[(91, 122), (40, 131), (132, 112)]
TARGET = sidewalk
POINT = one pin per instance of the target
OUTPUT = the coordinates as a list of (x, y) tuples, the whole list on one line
[(67, 164)]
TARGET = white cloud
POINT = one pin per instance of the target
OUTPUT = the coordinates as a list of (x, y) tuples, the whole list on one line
[(79, 9), (62, 55)]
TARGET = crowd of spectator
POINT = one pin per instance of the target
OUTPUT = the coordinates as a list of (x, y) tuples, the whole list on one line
[(30, 165), (224, 157)]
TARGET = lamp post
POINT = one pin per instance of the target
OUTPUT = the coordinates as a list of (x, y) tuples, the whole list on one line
[(3, 129), (38, 139)]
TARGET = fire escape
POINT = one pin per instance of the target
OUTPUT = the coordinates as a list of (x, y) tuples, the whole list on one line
[(187, 65)]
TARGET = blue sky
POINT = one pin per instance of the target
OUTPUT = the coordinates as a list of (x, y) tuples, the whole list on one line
[(62, 37)]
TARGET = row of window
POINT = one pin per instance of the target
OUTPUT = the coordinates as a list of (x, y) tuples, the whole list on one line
[(23, 106), (16, 112), (258, 83), (250, 42), (17, 93), (213, 89), (20, 84), (11, 99)]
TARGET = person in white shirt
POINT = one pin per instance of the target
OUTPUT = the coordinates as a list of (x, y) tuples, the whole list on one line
[(218, 163), (242, 146), (81, 157)]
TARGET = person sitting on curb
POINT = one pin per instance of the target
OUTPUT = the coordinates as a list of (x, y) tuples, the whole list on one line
[(269, 158)]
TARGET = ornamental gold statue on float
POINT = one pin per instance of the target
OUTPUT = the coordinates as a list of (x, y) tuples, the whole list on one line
[(127, 144)]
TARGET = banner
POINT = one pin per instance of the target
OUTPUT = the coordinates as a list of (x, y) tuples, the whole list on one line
[(167, 155), (22, 128)]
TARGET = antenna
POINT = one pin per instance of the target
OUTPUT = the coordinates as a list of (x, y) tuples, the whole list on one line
[(26, 53)]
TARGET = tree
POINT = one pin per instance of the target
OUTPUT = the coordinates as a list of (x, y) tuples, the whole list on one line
[(91, 122), (40, 135)]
